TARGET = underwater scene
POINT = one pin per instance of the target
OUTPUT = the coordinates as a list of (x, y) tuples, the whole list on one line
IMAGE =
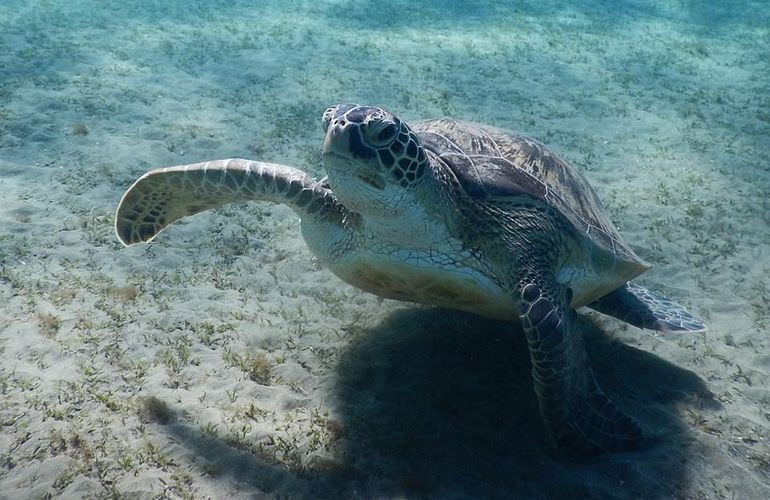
[(412, 282)]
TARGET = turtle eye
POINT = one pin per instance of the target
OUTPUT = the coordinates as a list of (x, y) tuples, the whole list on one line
[(382, 136), (387, 133)]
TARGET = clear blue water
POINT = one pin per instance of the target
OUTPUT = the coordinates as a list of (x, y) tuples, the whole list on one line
[(663, 105)]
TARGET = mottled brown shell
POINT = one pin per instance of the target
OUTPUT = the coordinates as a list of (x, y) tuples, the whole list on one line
[(493, 163)]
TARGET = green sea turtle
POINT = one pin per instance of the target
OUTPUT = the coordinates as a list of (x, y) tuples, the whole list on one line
[(455, 214)]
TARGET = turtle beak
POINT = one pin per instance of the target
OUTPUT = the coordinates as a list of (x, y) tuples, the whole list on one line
[(342, 151), (327, 117), (336, 141), (345, 139)]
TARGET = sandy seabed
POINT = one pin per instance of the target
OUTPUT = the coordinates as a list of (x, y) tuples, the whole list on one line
[(221, 361)]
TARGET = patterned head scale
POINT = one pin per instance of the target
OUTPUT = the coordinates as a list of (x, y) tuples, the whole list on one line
[(369, 133)]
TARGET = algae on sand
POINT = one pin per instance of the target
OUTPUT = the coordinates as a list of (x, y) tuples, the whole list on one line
[(663, 105)]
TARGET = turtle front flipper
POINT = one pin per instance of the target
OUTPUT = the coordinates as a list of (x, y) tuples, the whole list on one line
[(579, 417), (164, 195), (644, 308)]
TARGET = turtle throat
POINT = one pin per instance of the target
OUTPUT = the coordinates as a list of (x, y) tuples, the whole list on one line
[(360, 187), (372, 178)]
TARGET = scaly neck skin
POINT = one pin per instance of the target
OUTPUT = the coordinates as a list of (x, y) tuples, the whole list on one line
[(330, 233), (407, 226), (413, 221)]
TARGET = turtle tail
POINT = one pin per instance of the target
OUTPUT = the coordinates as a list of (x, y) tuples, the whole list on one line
[(162, 196)]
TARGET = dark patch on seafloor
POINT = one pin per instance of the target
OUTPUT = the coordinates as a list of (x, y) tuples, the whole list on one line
[(440, 403), (436, 403)]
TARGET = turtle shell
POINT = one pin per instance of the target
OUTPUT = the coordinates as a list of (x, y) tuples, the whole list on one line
[(492, 163)]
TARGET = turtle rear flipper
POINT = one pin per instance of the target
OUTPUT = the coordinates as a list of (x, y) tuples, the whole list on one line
[(579, 417), (644, 308)]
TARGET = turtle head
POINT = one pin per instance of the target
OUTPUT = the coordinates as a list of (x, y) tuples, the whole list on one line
[(373, 160)]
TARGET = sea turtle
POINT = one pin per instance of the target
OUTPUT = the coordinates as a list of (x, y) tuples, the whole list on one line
[(458, 215)]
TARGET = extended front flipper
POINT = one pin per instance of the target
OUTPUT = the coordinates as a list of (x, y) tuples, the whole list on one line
[(644, 308), (579, 417), (164, 195)]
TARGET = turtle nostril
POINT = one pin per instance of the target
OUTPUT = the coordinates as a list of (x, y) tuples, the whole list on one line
[(327, 118)]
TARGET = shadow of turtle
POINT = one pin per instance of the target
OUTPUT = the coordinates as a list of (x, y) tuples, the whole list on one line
[(440, 403), (437, 403)]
